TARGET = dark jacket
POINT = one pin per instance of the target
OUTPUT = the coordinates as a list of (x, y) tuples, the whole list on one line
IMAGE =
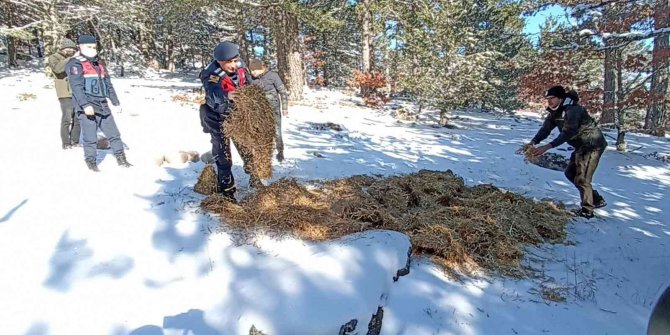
[(90, 84), (215, 96), (57, 63), (576, 126), (273, 88)]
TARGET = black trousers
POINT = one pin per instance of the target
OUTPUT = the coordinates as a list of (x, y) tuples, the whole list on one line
[(69, 123), (580, 170), (212, 123)]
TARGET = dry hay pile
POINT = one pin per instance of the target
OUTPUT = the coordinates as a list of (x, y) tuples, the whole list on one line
[(206, 183), (251, 126), (185, 98), (26, 96), (464, 228)]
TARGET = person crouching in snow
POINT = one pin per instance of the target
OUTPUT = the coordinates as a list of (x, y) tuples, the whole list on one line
[(580, 131), (91, 87), (274, 89)]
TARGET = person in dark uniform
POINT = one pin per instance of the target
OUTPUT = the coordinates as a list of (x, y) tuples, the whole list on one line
[(91, 87), (276, 94), (69, 125), (579, 130), (220, 80)]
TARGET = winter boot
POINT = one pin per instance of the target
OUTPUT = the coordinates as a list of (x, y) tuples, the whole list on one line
[(121, 160), (67, 147), (583, 213), (92, 166), (280, 156), (598, 200), (229, 195)]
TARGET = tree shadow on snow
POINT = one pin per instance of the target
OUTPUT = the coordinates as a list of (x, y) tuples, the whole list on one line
[(11, 212), (73, 260)]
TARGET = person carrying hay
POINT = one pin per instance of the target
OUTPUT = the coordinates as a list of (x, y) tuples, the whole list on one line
[(276, 93), (220, 80), (580, 131)]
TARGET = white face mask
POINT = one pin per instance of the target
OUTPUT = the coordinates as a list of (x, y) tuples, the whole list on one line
[(90, 53)]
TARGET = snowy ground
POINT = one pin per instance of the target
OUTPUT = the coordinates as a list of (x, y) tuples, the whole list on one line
[(127, 251)]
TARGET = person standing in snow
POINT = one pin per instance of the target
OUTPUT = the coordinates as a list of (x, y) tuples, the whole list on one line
[(580, 131), (276, 94), (220, 80), (91, 87), (69, 125)]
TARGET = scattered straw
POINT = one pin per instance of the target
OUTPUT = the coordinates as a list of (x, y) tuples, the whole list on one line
[(26, 96), (465, 228), (185, 98), (251, 126)]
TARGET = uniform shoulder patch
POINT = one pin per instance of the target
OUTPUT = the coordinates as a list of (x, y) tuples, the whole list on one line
[(214, 79), (74, 70)]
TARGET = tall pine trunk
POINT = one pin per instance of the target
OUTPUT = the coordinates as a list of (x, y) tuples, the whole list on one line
[(620, 115), (609, 105), (9, 9), (289, 52), (366, 37), (169, 63), (656, 112), (119, 52)]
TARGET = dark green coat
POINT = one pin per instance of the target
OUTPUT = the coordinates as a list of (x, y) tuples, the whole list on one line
[(57, 63)]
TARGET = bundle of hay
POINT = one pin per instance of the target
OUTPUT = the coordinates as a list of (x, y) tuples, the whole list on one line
[(464, 228), (251, 126), (526, 151), (549, 160), (206, 184)]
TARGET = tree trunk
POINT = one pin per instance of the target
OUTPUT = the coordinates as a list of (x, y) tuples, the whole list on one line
[(366, 37), (119, 52), (11, 40), (169, 50), (53, 30), (444, 120), (659, 79), (620, 117), (289, 52), (241, 36), (148, 44), (609, 86)]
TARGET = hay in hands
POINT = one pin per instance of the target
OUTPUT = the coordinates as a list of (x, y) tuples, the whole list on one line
[(526, 151), (463, 228), (251, 126), (206, 184)]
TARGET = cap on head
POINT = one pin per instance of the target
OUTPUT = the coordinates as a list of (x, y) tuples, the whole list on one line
[(556, 91), (226, 51), (86, 39), (68, 43)]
